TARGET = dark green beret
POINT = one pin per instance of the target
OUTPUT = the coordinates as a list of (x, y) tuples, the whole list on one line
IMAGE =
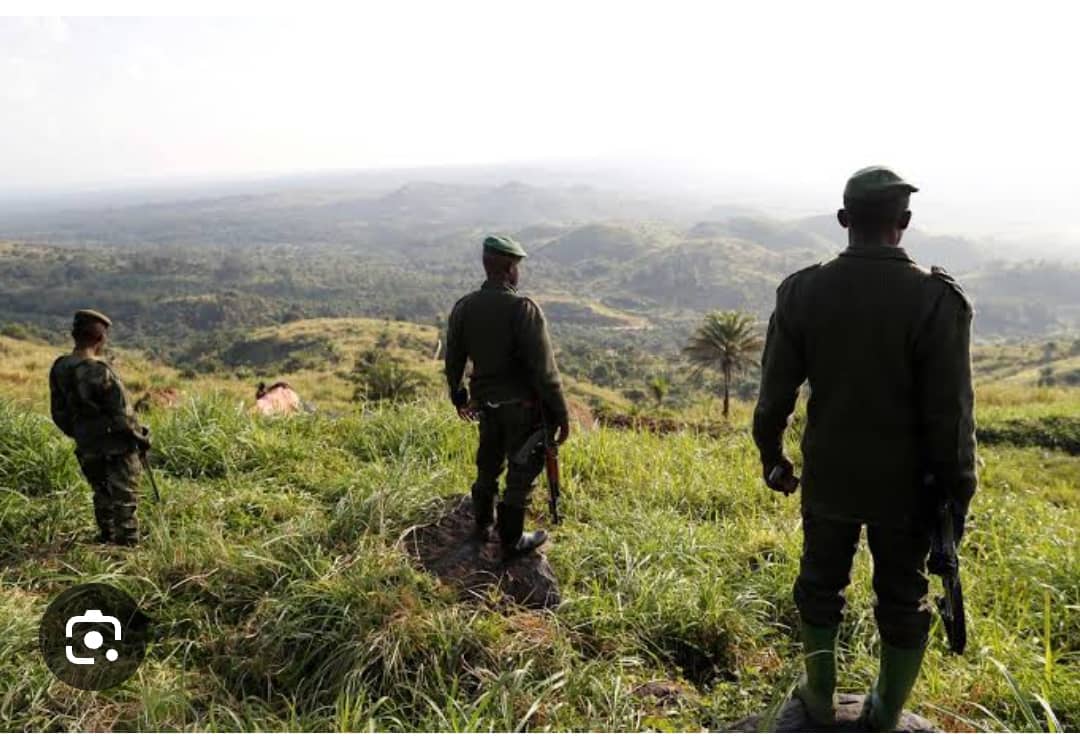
[(876, 184), (503, 244), (84, 316)]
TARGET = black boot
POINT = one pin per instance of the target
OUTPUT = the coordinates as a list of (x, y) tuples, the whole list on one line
[(483, 506), (515, 541)]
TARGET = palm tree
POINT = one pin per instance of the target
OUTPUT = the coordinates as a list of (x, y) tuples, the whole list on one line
[(728, 342)]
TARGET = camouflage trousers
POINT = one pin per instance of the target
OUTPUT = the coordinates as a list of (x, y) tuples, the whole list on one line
[(503, 431), (114, 480), (900, 582)]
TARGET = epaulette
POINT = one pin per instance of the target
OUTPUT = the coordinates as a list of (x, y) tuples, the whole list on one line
[(790, 277), (941, 274), (529, 303)]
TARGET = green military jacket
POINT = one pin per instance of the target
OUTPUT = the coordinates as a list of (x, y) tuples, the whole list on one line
[(885, 348), (89, 404), (506, 337)]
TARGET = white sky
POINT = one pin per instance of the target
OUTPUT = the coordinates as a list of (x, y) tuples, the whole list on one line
[(975, 103)]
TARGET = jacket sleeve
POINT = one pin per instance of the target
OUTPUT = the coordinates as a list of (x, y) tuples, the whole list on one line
[(783, 370), (535, 354), (946, 397), (58, 404), (456, 356)]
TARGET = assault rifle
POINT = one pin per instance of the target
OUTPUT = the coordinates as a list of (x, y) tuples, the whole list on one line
[(543, 438), (150, 473), (142, 445), (944, 562)]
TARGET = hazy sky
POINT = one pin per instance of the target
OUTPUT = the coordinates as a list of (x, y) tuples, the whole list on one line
[(977, 104)]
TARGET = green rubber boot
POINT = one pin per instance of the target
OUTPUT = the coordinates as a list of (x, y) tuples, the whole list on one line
[(885, 704), (817, 687)]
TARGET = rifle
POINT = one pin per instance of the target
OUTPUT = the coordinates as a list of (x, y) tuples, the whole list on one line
[(150, 473), (551, 465), (542, 438), (944, 562)]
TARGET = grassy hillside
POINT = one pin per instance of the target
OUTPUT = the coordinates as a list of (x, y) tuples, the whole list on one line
[(281, 599)]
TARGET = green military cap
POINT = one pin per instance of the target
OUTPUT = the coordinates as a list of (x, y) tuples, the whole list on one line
[(876, 184), (503, 244), (85, 316)]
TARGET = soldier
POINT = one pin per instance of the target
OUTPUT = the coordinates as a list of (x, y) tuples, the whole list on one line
[(90, 405), (885, 347), (513, 388)]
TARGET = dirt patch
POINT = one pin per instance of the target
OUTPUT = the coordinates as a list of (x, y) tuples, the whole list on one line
[(168, 398), (581, 414), (664, 693), (447, 549)]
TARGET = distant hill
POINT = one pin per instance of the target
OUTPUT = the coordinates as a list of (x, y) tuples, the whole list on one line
[(599, 242), (406, 249)]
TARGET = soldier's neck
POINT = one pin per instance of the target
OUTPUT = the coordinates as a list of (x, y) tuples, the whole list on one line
[(872, 240), (501, 283), (85, 353)]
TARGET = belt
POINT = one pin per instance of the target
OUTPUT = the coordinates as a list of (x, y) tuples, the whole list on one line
[(526, 403)]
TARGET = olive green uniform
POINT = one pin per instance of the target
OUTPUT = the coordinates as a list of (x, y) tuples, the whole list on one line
[(514, 378), (89, 404), (885, 347)]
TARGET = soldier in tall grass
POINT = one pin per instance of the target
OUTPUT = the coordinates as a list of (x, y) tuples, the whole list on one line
[(90, 405), (890, 433), (514, 385)]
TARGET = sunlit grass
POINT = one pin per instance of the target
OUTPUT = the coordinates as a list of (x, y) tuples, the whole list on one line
[(283, 602)]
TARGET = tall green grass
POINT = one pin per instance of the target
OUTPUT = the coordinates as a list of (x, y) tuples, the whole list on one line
[(281, 600)]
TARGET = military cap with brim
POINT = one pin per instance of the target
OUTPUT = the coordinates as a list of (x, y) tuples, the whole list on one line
[(876, 184), (84, 316), (503, 244)]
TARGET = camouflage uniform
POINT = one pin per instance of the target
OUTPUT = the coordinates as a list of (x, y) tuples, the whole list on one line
[(885, 347), (89, 404), (514, 378)]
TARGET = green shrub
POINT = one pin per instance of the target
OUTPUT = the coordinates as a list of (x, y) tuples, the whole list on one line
[(1052, 432), (35, 458)]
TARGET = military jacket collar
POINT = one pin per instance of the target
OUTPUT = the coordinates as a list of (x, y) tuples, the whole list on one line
[(877, 252), (498, 286)]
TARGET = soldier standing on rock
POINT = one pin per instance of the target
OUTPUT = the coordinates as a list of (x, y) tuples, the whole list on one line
[(885, 346), (90, 405), (514, 387)]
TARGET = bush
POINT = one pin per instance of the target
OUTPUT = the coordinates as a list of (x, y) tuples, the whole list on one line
[(379, 376), (35, 458), (1053, 432)]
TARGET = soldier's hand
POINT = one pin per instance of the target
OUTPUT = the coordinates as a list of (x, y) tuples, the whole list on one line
[(142, 439), (468, 412), (780, 476), (563, 432)]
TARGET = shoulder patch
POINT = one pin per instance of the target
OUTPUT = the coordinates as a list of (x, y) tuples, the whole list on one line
[(939, 273), (791, 277)]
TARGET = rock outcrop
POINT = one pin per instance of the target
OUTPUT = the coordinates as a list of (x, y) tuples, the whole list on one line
[(792, 717)]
